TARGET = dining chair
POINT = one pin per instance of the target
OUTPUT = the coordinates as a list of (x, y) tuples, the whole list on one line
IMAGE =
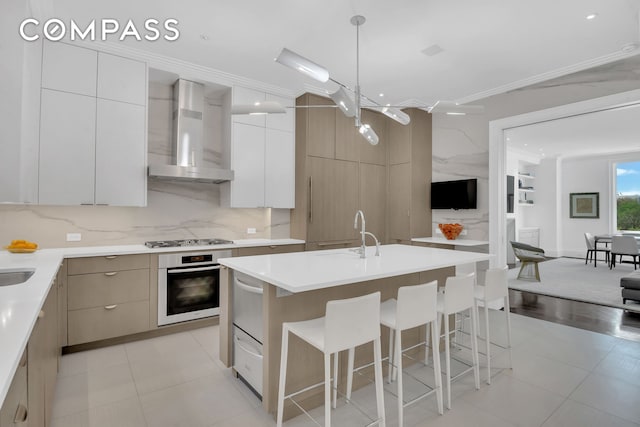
[(592, 250), (624, 246)]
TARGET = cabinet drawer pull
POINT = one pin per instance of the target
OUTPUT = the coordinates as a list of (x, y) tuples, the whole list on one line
[(41, 314), (110, 307), (21, 414), (112, 273), (111, 257), (346, 242), (273, 246), (310, 200)]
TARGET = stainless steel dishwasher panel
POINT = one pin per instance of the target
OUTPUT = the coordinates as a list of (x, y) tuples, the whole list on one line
[(247, 305)]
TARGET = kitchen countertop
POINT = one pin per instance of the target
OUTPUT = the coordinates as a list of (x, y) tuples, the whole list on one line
[(20, 304), (455, 242), (306, 271)]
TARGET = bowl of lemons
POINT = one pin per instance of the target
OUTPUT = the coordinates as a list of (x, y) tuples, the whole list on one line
[(22, 247)]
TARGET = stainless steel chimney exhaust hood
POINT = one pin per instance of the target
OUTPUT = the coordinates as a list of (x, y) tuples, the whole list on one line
[(187, 148)]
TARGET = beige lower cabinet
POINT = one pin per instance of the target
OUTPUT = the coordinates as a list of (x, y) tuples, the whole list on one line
[(14, 411), (107, 297), (43, 352)]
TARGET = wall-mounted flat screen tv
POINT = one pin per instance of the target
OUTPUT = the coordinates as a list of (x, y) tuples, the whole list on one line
[(460, 194)]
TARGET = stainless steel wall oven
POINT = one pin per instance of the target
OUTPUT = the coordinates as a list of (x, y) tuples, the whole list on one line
[(188, 285)]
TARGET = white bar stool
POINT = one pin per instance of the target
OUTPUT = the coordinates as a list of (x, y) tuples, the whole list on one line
[(495, 288), (416, 305), (347, 324), (458, 296)]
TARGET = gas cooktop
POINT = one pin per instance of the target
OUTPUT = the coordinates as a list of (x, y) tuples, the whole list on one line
[(186, 242)]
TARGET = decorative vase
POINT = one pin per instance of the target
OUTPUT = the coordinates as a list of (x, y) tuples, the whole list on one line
[(451, 231)]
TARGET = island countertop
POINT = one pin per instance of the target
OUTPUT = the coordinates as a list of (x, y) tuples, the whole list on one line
[(306, 271)]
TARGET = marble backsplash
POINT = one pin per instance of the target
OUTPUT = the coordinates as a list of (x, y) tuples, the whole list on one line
[(174, 210), (460, 151)]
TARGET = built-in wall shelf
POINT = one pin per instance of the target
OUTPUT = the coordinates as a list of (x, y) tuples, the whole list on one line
[(525, 204), (527, 190)]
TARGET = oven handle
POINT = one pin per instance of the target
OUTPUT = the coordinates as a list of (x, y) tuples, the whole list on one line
[(191, 270), (249, 288)]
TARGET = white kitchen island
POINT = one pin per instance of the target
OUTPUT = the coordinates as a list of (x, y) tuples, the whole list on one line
[(297, 286)]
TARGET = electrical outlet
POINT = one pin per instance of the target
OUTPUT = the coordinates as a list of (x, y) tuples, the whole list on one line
[(463, 232), (251, 231), (74, 237)]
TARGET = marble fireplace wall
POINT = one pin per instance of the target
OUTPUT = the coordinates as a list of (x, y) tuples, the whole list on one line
[(461, 143), (173, 211)]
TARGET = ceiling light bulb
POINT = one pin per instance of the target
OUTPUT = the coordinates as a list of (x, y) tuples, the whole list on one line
[(382, 94), (369, 134), (592, 16), (302, 64)]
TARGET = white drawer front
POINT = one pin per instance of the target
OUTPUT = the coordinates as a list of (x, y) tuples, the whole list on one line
[(247, 358)]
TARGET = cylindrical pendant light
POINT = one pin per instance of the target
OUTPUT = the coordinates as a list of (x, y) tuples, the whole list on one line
[(263, 107), (397, 115), (369, 134), (344, 102), (302, 64)]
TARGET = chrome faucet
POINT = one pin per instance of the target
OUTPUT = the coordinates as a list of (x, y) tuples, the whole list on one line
[(363, 233)]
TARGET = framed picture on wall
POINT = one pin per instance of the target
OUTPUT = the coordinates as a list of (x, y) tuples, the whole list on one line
[(584, 205)]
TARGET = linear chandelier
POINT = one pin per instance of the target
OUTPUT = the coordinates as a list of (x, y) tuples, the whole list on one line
[(350, 107)]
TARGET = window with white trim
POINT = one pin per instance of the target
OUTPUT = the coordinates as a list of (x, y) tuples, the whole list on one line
[(628, 196)]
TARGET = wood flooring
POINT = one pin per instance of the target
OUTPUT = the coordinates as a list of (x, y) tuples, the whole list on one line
[(597, 318)]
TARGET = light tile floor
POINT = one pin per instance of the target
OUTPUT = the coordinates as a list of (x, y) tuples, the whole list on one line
[(561, 376)]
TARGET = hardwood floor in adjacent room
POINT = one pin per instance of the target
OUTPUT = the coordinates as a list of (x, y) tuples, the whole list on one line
[(597, 318)]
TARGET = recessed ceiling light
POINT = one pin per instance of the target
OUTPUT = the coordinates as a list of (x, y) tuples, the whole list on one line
[(591, 16), (432, 50), (508, 139), (525, 144), (381, 95)]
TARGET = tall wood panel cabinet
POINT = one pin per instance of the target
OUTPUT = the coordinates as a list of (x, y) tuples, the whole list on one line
[(337, 173), (409, 211)]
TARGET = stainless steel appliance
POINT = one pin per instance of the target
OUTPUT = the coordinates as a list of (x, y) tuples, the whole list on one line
[(189, 285), (248, 330), (188, 143)]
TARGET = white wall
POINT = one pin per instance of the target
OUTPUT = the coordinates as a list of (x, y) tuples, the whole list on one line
[(547, 209), (588, 175)]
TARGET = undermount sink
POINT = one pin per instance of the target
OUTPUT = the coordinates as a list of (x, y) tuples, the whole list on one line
[(15, 276)]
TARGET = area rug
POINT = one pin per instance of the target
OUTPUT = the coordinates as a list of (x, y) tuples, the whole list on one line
[(570, 278)]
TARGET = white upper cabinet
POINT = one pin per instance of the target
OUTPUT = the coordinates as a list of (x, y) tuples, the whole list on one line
[(67, 148), (280, 173), (244, 96), (69, 68), (262, 155), (248, 160), (121, 79), (120, 158), (93, 128)]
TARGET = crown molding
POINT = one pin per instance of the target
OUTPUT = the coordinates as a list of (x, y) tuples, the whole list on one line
[(187, 70), (560, 72)]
